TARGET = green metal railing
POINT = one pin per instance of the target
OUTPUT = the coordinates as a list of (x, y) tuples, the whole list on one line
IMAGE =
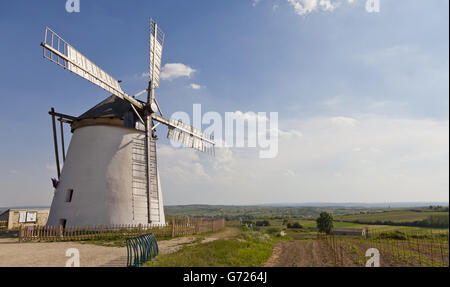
[(141, 249)]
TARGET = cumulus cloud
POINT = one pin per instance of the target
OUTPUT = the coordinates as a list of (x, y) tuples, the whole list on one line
[(303, 7), (172, 71)]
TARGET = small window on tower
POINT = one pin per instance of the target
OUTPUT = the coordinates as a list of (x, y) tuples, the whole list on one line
[(69, 195)]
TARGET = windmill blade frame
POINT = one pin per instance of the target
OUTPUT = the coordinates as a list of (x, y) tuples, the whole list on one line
[(61, 53), (187, 135), (156, 47)]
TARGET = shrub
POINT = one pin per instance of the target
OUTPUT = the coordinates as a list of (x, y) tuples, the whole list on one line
[(273, 230), (294, 225), (263, 223)]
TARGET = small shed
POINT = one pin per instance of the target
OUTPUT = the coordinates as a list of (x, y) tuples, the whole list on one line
[(349, 231), (16, 217)]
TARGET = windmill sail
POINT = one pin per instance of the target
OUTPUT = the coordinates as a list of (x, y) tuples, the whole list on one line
[(156, 47), (190, 136), (60, 52)]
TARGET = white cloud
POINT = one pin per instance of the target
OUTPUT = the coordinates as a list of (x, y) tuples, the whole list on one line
[(343, 121), (172, 71), (327, 5), (195, 86), (366, 158), (303, 7)]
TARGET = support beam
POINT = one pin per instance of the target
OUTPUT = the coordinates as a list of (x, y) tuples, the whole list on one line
[(55, 141), (62, 116)]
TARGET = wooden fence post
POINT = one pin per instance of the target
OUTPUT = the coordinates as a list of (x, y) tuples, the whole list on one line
[(60, 232), (140, 229), (173, 227), (20, 233)]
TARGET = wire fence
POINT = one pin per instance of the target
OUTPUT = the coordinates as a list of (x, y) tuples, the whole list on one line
[(400, 249)]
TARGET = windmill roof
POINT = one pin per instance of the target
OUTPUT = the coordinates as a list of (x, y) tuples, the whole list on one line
[(111, 107)]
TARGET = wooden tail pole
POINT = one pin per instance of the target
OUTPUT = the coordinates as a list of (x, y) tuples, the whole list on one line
[(55, 142)]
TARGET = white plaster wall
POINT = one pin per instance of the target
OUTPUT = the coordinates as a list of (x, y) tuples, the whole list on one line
[(98, 168)]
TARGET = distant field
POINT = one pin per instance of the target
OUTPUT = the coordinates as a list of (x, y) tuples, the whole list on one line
[(253, 212), (400, 215)]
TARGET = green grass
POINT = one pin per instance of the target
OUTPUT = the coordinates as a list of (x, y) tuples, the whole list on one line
[(400, 215), (250, 249)]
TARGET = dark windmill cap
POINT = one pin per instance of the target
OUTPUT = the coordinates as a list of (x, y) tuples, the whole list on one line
[(111, 111)]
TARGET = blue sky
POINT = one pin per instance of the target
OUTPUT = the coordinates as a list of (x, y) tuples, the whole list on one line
[(366, 94)]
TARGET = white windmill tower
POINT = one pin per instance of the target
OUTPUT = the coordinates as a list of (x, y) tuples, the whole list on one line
[(110, 173)]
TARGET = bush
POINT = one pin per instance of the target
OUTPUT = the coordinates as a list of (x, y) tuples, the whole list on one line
[(263, 223), (256, 237), (397, 235), (273, 230), (294, 225)]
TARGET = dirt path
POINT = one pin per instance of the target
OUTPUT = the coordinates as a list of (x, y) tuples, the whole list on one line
[(173, 245), (307, 253), (228, 232), (53, 254), (299, 253)]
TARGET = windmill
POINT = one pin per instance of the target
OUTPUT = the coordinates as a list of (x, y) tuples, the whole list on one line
[(110, 173)]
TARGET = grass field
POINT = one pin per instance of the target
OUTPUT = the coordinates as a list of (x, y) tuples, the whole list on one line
[(246, 249), (400, 215), (262, 244), (252, 212), (303, 247)]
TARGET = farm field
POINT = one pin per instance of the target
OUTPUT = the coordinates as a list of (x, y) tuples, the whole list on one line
[(345, 252), (251, 212), (263, 246), (401, 215)]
